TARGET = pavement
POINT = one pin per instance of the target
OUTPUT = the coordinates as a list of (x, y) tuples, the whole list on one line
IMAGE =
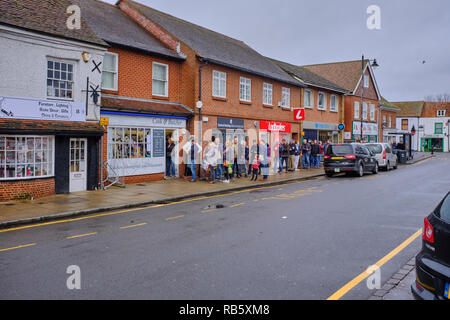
[(132, 195)]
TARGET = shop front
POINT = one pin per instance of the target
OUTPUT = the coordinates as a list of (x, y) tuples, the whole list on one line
[(230, 128), (432, 142), (39, 156), (321, 131), (274, 132), (369, 131)]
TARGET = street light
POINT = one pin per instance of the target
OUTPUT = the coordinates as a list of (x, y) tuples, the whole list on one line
[(374, 65)]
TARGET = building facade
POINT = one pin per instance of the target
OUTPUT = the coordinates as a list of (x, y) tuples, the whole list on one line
[(435, 127), (49, 132)]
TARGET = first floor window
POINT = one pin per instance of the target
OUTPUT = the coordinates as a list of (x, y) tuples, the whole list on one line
[(286, 97), (321, 101), (110, 71), (438, 128), (160, 76), (364, 111), (308, 99), (267, 94), (333, 103), (372, 112), (219, 84), (59, 79), (24, 157), (129, 143), (405, 124), (245, 89), (356, 110), (390, 122), (384, 121)]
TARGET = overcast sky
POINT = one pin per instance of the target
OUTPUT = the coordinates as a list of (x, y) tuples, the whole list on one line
[(307, 32)]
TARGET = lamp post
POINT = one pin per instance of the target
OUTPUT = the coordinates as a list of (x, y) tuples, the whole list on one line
[(374, 65)]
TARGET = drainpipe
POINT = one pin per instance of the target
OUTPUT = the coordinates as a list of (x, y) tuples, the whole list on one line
[(200, 95)]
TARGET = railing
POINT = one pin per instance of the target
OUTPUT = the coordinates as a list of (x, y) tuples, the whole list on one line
[(111, 176)]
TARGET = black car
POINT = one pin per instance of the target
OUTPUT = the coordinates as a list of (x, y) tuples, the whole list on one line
[(349, 158), (433, 261)]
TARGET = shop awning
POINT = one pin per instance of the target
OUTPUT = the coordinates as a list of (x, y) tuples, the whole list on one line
[(42, 127)]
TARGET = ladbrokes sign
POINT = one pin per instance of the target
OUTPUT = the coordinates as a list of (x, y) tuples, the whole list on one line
[(275, 126)]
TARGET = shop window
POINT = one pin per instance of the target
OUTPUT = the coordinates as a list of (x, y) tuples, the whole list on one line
[(60, 79), (160, 77), (24, 157), (129, 143), (110, 71)]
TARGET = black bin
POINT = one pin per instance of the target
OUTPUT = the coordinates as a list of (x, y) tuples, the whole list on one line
[(402, 156)]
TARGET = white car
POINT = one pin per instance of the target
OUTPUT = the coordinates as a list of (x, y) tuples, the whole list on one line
[(383, 153)]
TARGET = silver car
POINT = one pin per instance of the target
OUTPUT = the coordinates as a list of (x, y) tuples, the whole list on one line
[(384, 155)]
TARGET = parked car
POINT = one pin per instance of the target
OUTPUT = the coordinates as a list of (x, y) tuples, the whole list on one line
[(349, 158), (433, 261), (384, 155)]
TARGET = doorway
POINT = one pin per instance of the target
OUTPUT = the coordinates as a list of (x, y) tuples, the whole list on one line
[(78, 165)]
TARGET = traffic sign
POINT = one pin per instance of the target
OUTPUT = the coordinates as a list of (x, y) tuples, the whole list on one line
[(299, 114), (341, 127)]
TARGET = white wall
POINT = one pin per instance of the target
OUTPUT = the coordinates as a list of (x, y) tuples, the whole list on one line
[(412, 121), (429, 129), (23, 65)]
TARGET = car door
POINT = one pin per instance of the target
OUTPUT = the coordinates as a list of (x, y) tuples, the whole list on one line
[(369, 158), (391, 157)]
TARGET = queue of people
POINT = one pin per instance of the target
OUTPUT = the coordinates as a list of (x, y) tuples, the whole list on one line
[(235, 159)]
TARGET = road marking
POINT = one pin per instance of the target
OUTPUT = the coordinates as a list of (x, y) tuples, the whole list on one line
[(134, 225), (237, 205), (149, 207), (174, 218), (82, 235), (350, 285), (18, 247), (210, 210)]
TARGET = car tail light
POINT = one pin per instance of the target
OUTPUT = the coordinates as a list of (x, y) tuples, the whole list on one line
[(419, 287), (350, 156), (326, 157), (428, 234), (384, 155)]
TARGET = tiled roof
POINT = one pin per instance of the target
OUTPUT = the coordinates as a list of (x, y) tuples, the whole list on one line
[(215, 47), (124, 104), (389, 104), (344, 74), (308, 76), (46, 16), (409, 108), (50, 127), (115, 27)]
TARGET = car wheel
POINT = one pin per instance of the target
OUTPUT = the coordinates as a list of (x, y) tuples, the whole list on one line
[(360, 171), (375, 169)]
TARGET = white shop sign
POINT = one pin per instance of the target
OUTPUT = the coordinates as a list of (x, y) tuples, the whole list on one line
[(32, 109), (369, 129)]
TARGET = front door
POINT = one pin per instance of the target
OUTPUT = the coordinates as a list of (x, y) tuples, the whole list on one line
[(78, 164)]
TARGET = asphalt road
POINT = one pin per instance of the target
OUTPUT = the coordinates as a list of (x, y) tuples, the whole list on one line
[(302, 240)]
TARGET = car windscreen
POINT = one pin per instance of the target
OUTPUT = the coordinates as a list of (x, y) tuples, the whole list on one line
[(444, 211), (375, 148), (339, 150)]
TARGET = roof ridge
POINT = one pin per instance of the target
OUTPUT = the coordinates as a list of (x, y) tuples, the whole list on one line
[(181, 20), (337, 62)]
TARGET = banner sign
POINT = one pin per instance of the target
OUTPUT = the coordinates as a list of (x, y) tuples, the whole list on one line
[(275, 126), (369, 129), (23, 108), (228, 123)]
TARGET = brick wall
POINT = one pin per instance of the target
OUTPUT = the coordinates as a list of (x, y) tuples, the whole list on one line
[(37, 188), (324, 116)]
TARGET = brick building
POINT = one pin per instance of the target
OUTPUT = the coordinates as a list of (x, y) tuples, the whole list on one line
[(49, 132), (348, 75), (141, 93), (323, 102), (242, 93)]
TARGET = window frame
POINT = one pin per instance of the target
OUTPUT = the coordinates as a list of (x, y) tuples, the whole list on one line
[(365, 109), (50, 157), (403, 124), (441, 129), (220, 80), (372, 112), (245, 89), (266, 92), (356, 110), (366, 81), (72, 82), (336, 107), (115, 73), (285, 92), (113, 144), (324, 107), (166, 88), (441, 113), (311, 99)]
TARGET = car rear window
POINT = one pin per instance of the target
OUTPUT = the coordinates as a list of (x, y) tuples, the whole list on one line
[(444, 212), (375, 148), (339, 150)]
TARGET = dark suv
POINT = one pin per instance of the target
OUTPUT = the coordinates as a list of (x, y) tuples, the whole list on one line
[(433, 262), (349, 158)]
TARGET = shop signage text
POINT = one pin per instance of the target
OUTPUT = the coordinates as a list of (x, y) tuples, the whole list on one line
[(299, 114), (22, 108), (228, 123), (275, 126), (369, 129)]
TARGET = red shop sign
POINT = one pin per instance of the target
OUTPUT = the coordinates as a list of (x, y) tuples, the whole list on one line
[(299, 114), (275, 126)]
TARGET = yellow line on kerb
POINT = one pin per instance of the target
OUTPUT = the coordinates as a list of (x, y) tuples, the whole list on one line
[(82, 235), (22, 246), (350, 285)]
